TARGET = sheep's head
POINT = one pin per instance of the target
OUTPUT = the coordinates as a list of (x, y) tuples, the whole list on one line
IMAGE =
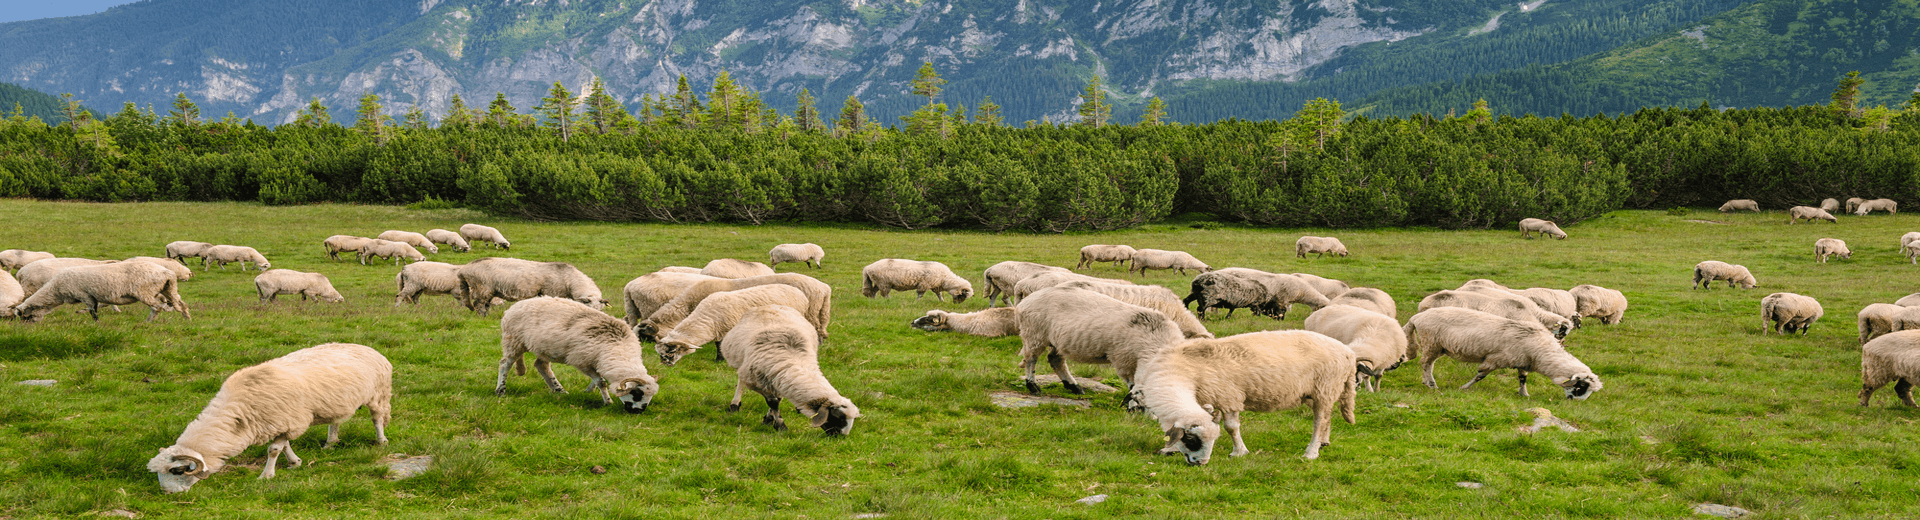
[(1195, 439), (833, 415), (962, 295), (265, 265), (433, 249), (178, 468), (1555, 232), (30, 314), (672, 350), (934, 321), (1561, 329), (1745, 280), (635, 393), (646, 331), (594, 301), (1580, 386), (504, 245)]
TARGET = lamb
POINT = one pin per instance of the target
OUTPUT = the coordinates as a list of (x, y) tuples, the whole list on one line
[(13, 259), (1003, 276), (272, 284), (334, 245), (1594, 301), (274, 403), (224, 255), (646, 294), (180, 271), (1266, 294), (1829, 205), (1188, 387), (1495, 342), (1118, 254), (513, 279), (1144, 259), (1853, 203), (1893, 358), (1555, 301), (1370, 299), (10, 294), (1809, 214), (992, 323), (819, 301), (559, 330), (1887, 205), (1319, 246), (184, 249), (1740, 205), (893, 274), (442, 236), (1088, 327), (427, 279), (1505, 305), (1529, 226), (1826, 247), (731, 268), (1328, 287), (479, 233), (117, 283), (1705, 273), (808, 253), (409, 238), (1040, 281), (1878, 319), (718, 314), (775, 354), (389, 249), (1788, 312), (1377, 342), (36, 274)]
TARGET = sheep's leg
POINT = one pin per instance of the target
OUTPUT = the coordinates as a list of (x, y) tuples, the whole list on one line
[(773, 415), (1905, 390), (1232, 424), (273, 458), (1426, 371), (93, 309), (1523, 383), (1026, 365), (506, 363), (546, 372), (739, 389), (719, 356), (1477, 377), (1059, 364), (1322, 426)]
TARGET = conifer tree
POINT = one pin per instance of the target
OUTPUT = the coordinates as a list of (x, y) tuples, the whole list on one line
[(683, 109), (805, 114), (314, 116), (1156, 110), (500, 113), (1480, 114), (988, 114), (459, 115), (75, 114), (723, 102), (603, 111), (373, 123), (184, 111), (559, 107), (416, 118), (1094, 109), (1846, 96), (853, 118)]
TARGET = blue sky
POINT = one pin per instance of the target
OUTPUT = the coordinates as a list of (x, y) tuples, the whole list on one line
[(17, 10)]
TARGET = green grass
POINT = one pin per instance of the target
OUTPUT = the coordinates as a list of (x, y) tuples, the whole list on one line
[(1698, 405)]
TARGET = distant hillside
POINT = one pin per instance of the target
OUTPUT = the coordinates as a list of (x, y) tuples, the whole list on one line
[(33, 102)]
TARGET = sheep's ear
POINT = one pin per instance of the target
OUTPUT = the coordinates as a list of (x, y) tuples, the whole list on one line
[(188, 465), (820, 416), (1561, 380)]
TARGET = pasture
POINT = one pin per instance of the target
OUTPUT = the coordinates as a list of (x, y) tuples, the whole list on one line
[(1698, 406)]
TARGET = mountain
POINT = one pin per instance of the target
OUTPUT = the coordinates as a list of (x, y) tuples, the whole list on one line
[(32, 103)]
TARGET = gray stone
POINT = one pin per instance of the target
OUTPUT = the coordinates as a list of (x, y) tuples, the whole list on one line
[(39, 382), (1720, 510), (1005, 399), (1093, 499), (1470, 485), (402, 467), (1085, 384), (1543, 419), (870, 515), (121, 513)]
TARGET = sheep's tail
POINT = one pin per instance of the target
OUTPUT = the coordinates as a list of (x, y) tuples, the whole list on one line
[(1349, 391), (1766, 311), (993, 291), (867, 288), (1414, 340)]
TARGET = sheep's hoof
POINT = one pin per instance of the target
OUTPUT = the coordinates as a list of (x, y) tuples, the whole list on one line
[(735, 407), (1075, 389), (1032, 388)]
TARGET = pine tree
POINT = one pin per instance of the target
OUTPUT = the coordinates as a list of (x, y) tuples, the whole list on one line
[(853, 118), (416, 118), (314, 116), (459, 115), (130, 114), (723, 102), (373, 123), (1319, 121), (805, 115), (184, 111), (988, 114), (559, 107), (1913, 103), (75, 114), (1480, 114), (1156, 110), (684, 108), (1094, 109), (1846, 97), (647, 115), (500, 113), (605, 112), (926, 82)]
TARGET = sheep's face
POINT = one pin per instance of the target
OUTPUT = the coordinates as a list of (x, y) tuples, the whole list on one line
[(636, 393), (178, 468), (265, 266), (1133, 402), (646, 331), (672, 351), (962, 295), (504, 245), (1580, 386), (834, 415), (31, 315), (433, 249), (1556, 233), (934, 321), (1561, 329), (594, 301), (1195, 441)]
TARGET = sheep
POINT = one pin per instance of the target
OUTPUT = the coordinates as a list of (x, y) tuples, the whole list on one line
[(1495, 342), (1085, 326), (274, 403), (479, 233), (427, 279), (893, 274), (1003, 276), (559, 330), (1911, 251), (992, 323), (1528, 226), (1908, 238), (1809, 214), (1705, 273), (1877, 319), (1377, 342), (1593, 301), (1739, 205), (1555, 301), (1853, 203), (338, 243), (273, 283), (36, 274), (1829, 205), (224, 255), (819, 302), (1788, 312), (1893, 358), (409, 238), (118, 283), (1040, 281), (808, 253), (1328, 287), (646, 294), (1826, 247), (1505, 305), (442, 236), (1188, 387), (184, 249), (1483, 284), (1911, 300), (1887, 205), (13, 259), (180, 271), (1150, 296), (389, 249), (513, 279), (1319, 246), (10, 294), (1266, 294), (1118, 254), (731, 268), (1370, 299), (680, 269), (775, 354), (1144, 259), (717, 314)]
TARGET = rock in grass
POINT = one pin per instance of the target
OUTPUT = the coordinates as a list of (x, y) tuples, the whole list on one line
[(1093, 499), (1085, 384), (598, 470), (402, 467), (1020, 400), (1470, 485), (39, 382), (1720, 510), (1543, 419), (120, 513)]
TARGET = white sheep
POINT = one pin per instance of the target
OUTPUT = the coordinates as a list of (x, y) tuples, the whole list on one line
[(1594, 301), (1495, 342), (274, 403), (1911, 300), (1893, 358), (426, 279), (808, 253), (1887, 205), (681, 269), (1319, 246), (1788, 312), (1877, 319), (442, 236), (646, 294), (1150, 296), (224, 254), (396, 251), (1377, 341), (336, 244), (1705, 273), (1740, 205), (13, 259), (513, 279), (1370, 299), (559, 330), (1144, 259), (180, 270), (1483, 284), (775, 354), (717, 314), (1826, 247), (10, 294), (731, 268), (1328, 287), (1503, 304), (1809, 214), (409, 238), (1192, 386), (1829, 205), (1266, 294), (1556, 301), (1118, 254), (992, 322), (1529, 226), (1908, 238), (1040, 281), (119, 283), (184, 249), (893, 274), (1088, 327), (819, 302), (273, 283), (1854, 202), (1003, 276), (479, 233), (1912, 251), (38, 273)]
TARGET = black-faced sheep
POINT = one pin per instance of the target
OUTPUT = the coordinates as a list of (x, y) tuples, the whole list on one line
[(992, 323), (1788, 312), (426, 279), (775, 353), (1153, 297), (1377, 341), (1887, 205), (513, 279), (1144, 259), (396, 251), (222, 255), (1495, 342), (1529, 226), (646, 294), (336, 244), (1503, 304), (732, 268), (558, 330), (1088, 327), (13, 259), (1320, 247), (1118, 254), (478, 233), (1826, 247), (1594, 301), (409, 238), (717, 314), (1809, 214), (273, 283), (808, 253), (451, 239), (1893, 358), (893, 274), (1740, 205), (1266, 294), (819, 310), (119, 283), (1370, 299), (1190, 387), (1705, 273), (1040, 281), (1003, 276)]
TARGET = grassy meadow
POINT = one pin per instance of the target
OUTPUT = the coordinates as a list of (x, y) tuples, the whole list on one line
[(1698, 405)]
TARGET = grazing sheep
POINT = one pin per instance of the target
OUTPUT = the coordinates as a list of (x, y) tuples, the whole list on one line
[(1118, 254), (442, 236), (1266, 294), (1188, 387), (1495, 342), (718, 314), (36, 274), (1705, 273), (479, 233), (1003, 276), (1788, 312), (1377, 342), (1319, 246), (1911, 251), (1911, 300), (1594, 301), (10, 294), (1829, 205), (1877, 319), (1555, 301), (409, 238), (1370, 299), (180, 270), (337, 243), (1826, 247), (1144, 259), (1088, 327), (646, 294), (1505, 305), (223, 255), (513, 279), (819, 302), (559, 330), (1328, 287), (893, 274), (1853, 203), (1887, 205), (389, 249), (1040, 281), (274, 403), (680, 269), (1893, 358), (13, 259), (273, 283), (991, 323), (776, 355), (1740, 205), (1809, 214), (1153, 297), (184, 249), (731, 268), (118, 283), (427, 279), (1483, 284), (1529, 226), (808, 253)]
